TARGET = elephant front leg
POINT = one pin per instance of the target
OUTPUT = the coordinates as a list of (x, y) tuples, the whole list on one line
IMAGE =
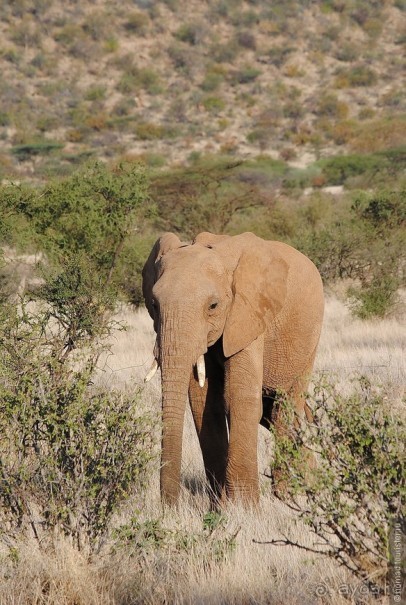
[(243, 394), (209, 415)]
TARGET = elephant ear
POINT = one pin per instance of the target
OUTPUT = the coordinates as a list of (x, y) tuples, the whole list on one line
[(167, 242), (259, 292)]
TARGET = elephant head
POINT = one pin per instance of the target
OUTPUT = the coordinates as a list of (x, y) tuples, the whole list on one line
[(219, 289)]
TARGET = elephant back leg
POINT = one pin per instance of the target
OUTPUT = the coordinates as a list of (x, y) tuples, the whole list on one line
[(209, 415), (268, 404)]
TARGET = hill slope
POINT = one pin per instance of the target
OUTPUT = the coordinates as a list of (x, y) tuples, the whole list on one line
[(171, 79)]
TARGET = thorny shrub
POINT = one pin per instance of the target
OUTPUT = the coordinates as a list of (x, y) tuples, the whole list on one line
[(70, 452), (358, 487)]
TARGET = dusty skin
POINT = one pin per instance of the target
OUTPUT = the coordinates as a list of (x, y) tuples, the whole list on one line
[(253, 309)]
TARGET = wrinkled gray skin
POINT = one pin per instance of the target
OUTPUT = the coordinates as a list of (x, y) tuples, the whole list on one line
[(254, 309)]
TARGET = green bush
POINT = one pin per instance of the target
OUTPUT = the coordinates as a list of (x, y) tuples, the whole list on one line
[(183, 59), (192, 33), (70, 452), (111, 44), (338, 169), (260, 136), (374, 298), (382, 210), (92, 211), (148, 131), (15, 228), (334, 248), (359, 75), (88, 215), (203, 196), (359, 11), (79, 299), (245, 18), (96, 93), (293, 109), (278, 55), (12, 56), (358, 487), (136, 22), (26, 151), (127, 274), (224, 53), (330, 105), (26, 33), (245, 75), (68, 34), (362, 240), (347, 52), (4, 118), (211, 82), (140, 78), (383, 216), (379, 169), (246, 39), (281, 10), (97, 25), (213, 104)]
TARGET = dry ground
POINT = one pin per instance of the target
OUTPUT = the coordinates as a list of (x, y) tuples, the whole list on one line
[(252, 573), (68, 77)]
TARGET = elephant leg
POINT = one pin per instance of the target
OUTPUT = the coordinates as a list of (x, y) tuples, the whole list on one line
[(243, 394), (268, 405), (209, 415)]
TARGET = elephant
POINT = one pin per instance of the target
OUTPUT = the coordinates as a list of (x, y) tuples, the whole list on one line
[(237, 320)]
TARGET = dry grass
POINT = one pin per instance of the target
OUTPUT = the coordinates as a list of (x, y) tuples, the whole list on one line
[(251, 573), (351, 347)]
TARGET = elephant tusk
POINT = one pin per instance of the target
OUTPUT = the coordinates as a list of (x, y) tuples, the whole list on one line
[(152, 371), (201, 370)]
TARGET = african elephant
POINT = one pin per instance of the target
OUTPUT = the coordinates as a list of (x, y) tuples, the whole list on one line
[(237, 318)]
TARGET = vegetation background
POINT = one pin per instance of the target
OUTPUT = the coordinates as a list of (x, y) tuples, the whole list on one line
[(120, 120)]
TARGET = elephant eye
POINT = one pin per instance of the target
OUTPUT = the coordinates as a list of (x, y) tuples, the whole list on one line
[(213, 306)]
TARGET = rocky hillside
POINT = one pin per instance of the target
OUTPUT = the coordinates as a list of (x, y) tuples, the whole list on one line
[(169, 80)]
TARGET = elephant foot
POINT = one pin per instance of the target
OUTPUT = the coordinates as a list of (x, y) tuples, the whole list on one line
[(247, 496)]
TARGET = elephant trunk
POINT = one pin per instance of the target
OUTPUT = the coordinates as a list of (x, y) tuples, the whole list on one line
[(177, 356)]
